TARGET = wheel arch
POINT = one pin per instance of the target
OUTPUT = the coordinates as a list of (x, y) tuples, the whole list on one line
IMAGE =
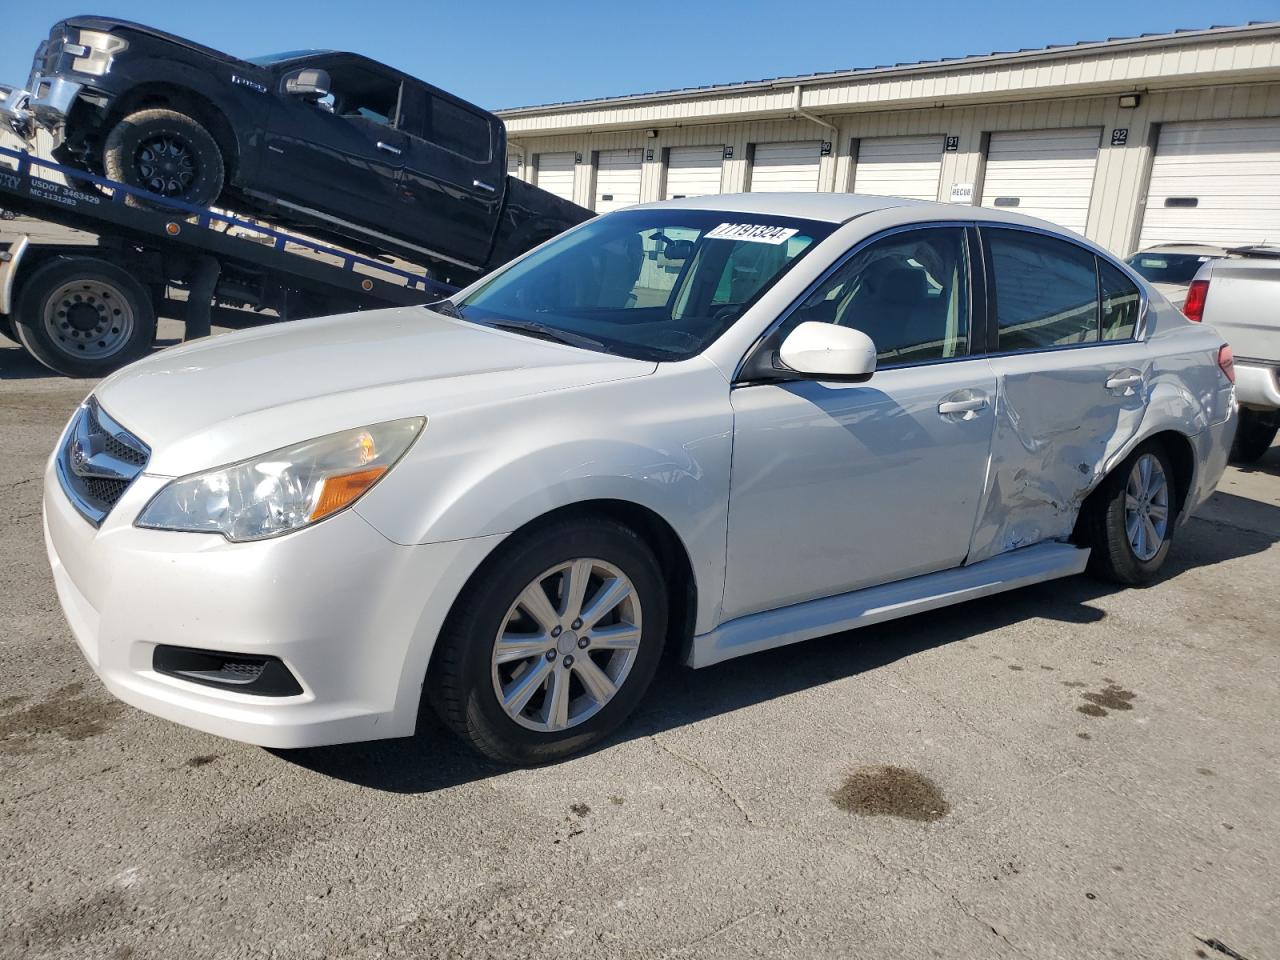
[(1182, 457), (187, 100), (658, 534)]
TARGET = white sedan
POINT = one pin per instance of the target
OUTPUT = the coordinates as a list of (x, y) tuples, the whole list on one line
[(712, 426)]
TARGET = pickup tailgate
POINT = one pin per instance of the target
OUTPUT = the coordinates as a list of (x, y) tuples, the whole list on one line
[(1243, 304)]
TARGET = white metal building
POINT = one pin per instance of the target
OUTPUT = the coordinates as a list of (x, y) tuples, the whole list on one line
[(1163, 138)]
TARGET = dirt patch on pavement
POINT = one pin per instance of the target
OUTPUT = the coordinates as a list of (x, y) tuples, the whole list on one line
[(68, 712), (1110, 697), (887, 791)]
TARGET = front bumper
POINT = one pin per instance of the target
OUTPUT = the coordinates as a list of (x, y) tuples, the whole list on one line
[(352, 615), (46, 103), (1258, 384)]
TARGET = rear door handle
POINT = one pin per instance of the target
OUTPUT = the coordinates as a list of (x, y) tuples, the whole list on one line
[(389, 148), (972, 405), (484, 186), (1124, 380)]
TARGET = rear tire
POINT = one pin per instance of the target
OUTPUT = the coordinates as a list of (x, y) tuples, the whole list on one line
[(1129, 519), (84, 317), (1254, 435), (604, 674), (165, 152)]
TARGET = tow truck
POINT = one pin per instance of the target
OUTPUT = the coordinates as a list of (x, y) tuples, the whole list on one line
[(83, 310)]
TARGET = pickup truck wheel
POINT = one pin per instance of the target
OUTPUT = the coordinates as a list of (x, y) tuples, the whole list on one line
[(554, 642), (84, 317), (1254, 435), (1129, 519), (167, 153)]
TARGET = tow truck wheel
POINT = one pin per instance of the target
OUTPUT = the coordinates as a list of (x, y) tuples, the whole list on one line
[(165, 152), (84, 317)]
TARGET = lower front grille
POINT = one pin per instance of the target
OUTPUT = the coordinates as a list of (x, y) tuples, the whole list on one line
[(97, 461)]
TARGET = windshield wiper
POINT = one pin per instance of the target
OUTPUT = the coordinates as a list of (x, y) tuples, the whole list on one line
[(543, 332), (447, 307)]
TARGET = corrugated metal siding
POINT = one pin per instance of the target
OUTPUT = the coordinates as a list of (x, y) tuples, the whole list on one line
[(1229, 170), (899, 167), (1043, 173), (1120, 177)]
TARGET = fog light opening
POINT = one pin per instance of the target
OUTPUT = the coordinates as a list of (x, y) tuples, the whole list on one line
[(244, 673)]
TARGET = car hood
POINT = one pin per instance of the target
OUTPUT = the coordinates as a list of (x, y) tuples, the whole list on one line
[(234, 396)]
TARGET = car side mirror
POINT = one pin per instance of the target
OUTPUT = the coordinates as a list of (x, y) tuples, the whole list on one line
[(826, 351), (310, 83)]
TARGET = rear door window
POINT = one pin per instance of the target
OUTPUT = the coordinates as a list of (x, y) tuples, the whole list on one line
[(1045, 291), (1120, 303), (460, 130)]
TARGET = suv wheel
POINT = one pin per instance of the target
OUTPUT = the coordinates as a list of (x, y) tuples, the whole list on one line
[(1131, 516), (167, 153), (84, 317), (1254, 435), (552, 645)]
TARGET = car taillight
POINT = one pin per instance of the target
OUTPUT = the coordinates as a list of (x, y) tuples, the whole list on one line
[(1193, 306), (1227, 362)]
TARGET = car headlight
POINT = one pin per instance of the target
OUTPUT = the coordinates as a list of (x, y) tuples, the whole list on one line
[(94, 52), (283, 490)]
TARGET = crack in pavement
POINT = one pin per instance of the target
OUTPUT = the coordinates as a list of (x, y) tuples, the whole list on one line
[(709, 774)]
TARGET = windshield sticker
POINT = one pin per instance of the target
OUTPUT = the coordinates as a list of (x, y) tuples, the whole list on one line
[(752, 233)]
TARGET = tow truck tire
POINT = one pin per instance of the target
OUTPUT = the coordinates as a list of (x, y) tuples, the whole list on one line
[(165, 152), (84, 317), (1254, 435)]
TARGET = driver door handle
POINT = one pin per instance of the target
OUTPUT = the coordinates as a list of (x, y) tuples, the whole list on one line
[(484, 186), (389, 148)]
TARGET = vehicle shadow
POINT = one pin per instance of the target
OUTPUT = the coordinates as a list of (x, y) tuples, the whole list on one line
[(1270, 463), (435, 759), (17, 364)]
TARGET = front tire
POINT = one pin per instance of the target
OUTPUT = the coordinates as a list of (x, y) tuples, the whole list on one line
[(553, 643), (1130, 518), (165, 152), (1254, 435), (84, 317)]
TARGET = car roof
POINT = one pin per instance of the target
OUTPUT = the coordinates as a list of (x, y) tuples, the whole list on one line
[(843, 207)]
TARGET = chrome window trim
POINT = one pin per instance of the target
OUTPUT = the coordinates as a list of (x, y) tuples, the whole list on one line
[(848, 255)]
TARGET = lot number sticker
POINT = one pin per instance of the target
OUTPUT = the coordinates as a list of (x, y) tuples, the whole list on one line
[(752, 233)]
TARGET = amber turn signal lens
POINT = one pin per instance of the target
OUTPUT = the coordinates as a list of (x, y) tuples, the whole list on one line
[(337, 492)]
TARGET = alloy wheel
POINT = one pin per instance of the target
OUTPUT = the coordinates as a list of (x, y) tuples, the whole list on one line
[(566, 645), (166, 165), (1146, 507)]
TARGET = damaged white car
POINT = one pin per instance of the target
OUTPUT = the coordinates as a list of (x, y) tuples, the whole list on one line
[(713, 426)]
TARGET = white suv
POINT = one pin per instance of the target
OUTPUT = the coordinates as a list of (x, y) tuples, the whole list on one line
[(714, 426)]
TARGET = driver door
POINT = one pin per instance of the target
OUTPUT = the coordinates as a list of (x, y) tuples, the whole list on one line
[(839, 486)]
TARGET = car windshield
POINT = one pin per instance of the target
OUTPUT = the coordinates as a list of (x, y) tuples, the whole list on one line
[(1168, 267), (650, 284)]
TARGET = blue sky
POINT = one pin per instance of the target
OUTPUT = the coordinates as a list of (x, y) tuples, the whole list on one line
[(501, 54)]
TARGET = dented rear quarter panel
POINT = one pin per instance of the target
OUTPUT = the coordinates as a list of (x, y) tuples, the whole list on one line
[(1059, 430)]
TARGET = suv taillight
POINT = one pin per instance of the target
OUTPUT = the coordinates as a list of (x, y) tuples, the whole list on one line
[(1193, 306), (1227, 362)]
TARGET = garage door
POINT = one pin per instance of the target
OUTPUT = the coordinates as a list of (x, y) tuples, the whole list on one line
[(555, 174), (1044, 173), (786, 167), (617, 179), (693, 171), (1215, 183), (899, 167)]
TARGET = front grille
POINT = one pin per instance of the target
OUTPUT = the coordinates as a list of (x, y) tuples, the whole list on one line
[(97, 461)]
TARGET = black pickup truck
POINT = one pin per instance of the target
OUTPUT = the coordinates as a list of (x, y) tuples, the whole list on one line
[(335, 142)]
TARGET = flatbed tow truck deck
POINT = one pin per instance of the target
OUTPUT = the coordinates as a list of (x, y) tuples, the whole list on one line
[(84, 310)]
